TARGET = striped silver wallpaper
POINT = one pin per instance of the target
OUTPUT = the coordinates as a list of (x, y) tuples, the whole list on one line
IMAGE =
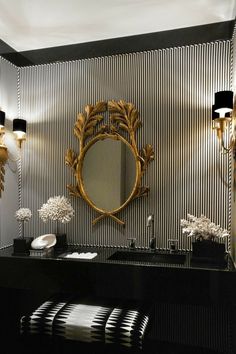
[(173, 89), (9, 199)]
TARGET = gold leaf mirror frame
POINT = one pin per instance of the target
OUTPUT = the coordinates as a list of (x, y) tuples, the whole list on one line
[(122, 126)]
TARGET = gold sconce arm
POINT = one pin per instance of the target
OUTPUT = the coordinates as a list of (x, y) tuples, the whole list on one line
[(221, 125), (20, 141), (2, 132)]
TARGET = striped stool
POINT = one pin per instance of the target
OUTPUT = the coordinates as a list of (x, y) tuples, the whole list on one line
[(73, 320)]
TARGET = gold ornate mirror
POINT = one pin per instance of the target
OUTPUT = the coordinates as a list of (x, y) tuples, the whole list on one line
[(109, 167)]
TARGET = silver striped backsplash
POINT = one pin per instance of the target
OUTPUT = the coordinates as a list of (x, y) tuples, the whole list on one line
[(174, 90)]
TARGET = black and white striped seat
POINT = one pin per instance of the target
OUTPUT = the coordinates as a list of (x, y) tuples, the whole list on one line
[(88, 323)]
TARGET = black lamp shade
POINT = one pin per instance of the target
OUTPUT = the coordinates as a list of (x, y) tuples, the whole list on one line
[(224, 100), (2, 118), (214, 113), (19, 125)]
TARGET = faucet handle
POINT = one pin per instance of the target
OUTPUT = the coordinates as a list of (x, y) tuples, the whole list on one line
[(132, 242), (152, 243), (172, 244)]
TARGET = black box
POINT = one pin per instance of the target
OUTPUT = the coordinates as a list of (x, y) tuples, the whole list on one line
[(207, 251), (61, 244), (21, 246)]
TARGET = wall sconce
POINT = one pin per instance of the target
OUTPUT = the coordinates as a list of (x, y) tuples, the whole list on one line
[(19, 129), (2, 119), (223, 114)]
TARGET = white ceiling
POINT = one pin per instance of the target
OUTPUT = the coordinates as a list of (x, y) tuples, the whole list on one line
[(34, 24)]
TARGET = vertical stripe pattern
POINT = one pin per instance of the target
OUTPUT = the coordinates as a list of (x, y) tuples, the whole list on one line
[(173, 89), (8, 201)]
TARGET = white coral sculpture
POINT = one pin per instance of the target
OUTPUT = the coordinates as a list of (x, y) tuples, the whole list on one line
[(202, 228), (57, 209), (23, 215)]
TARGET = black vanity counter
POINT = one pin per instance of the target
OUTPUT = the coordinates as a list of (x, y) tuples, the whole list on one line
[(181, 283)]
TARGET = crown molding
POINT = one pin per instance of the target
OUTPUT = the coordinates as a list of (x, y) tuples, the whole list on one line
[(131, 44)]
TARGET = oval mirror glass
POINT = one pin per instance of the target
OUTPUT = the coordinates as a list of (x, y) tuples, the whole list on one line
[(109, 173)]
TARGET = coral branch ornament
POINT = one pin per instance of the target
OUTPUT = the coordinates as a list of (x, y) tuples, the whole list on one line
[(57, 209), (202, 228), (23, 215)]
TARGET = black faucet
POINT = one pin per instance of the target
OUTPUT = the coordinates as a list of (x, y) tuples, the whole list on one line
[(132, 243), (173, 245), (152, 243)]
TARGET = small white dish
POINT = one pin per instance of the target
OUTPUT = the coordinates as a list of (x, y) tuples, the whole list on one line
[(44, 241), (83, 255)]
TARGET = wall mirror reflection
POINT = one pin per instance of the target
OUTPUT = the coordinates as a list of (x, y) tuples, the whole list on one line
[(109, 173)]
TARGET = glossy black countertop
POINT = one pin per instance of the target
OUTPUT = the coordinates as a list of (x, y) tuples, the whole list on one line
[(104, 253), (187, 282)]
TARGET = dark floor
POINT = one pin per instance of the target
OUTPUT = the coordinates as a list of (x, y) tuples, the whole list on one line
[(44, 346), (15, 303)]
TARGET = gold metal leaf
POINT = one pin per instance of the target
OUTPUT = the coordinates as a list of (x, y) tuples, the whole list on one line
[(73, 190), (77, 131), (113, 129), (103, 129), (133, 113), (97, 108), (80, 119), (147, 156), (79, 125), (88, 109), (71, 158), (124, 126), (125, 114), (100, 107), (88, 132), (93, 122), (148, 153), (137, 124), (114, 106), (85, 122), (117, 117), (142, 192)]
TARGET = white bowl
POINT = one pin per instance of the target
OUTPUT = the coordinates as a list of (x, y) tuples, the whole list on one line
[(44, 241)]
